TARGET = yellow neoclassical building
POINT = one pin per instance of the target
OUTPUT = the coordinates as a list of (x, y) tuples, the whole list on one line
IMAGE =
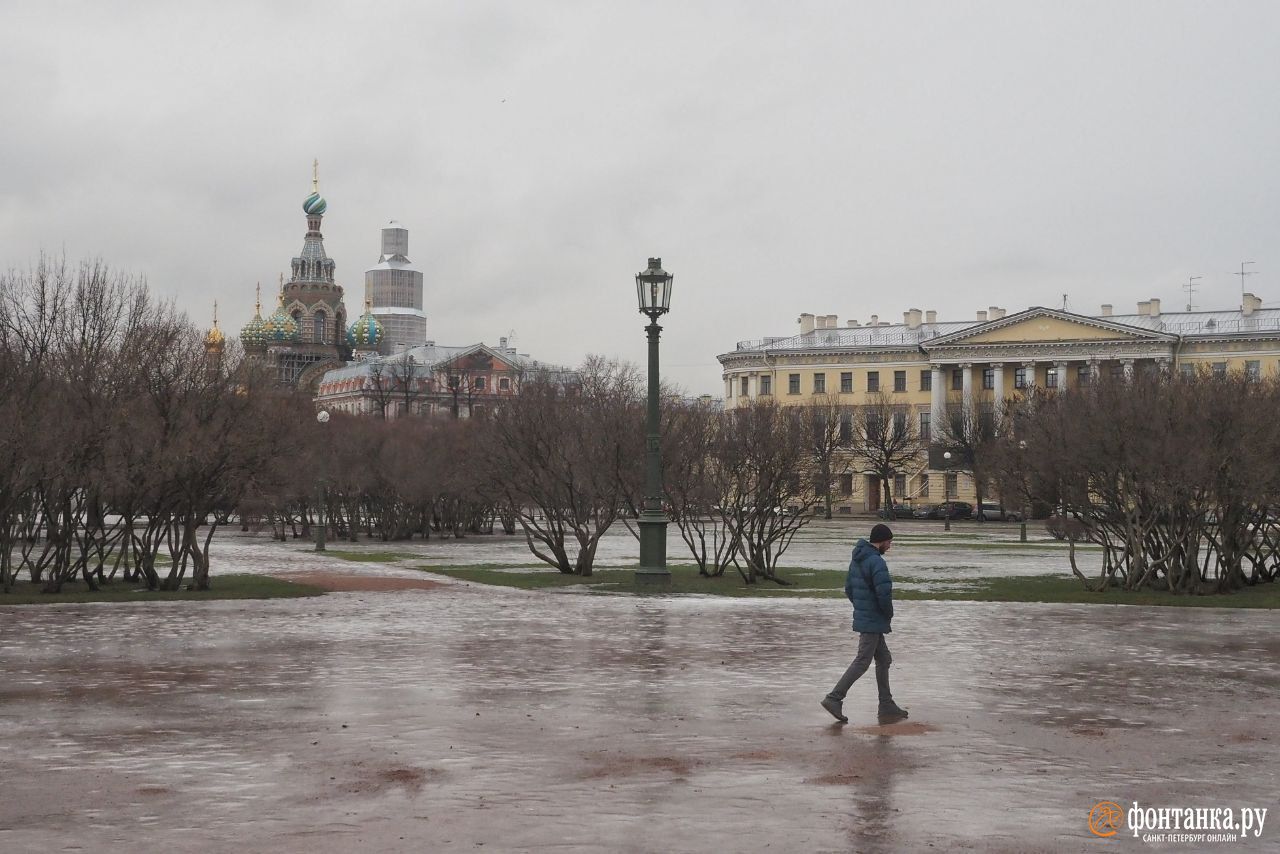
[(927, 366)]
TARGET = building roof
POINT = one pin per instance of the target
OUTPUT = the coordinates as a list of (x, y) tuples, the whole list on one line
[(429, 358), (899, 335)]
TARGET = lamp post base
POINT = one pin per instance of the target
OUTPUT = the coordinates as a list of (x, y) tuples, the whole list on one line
[(653, 550)]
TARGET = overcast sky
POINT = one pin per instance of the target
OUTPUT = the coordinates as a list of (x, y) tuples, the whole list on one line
[(846, 158)]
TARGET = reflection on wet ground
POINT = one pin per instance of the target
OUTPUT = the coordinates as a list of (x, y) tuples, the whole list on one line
[(471, 718)]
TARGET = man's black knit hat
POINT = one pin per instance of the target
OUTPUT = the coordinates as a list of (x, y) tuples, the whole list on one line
[(880, 534)]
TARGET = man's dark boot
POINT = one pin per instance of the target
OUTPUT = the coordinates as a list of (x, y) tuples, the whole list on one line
[(836, 708), (891, 712)]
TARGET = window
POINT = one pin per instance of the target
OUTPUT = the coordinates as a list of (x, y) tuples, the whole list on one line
[(899, 380), (846, 382), (1219, 369), (318, 326), (1083, 373), (1051, 378), (1117, 372), (988, 378), (846, 427), (1253, 369), (1020, 378), (957, 379), (505, 384), (766, 385), (873, 380), (819, 383), (953, 486), (745, 387), (846, 484), (926, 380), (1188, 371), (479, 383), (923, 490), (900, 423), (900, 485), (924, 426), (793, 383)]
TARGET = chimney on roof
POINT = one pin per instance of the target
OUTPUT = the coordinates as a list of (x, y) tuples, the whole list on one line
[(832, 321), (1106, 309), (1144, 308), (851, 323), (806, 323), (502, 343), (875, 320), (1251, 304), (1154, 308), (913, 318), (995, 312), (982, 317), (930, 316)]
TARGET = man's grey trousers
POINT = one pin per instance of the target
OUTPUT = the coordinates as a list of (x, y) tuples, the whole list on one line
[(871, 645)]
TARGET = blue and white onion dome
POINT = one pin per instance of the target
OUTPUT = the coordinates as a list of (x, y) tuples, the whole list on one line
[(366, 332), (314, 204), (280, 326)]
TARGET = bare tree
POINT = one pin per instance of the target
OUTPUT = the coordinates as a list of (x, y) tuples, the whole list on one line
[(830, 438), (769, 493), (886, 441), (553, 453)]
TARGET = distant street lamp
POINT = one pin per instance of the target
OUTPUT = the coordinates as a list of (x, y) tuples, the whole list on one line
[(653, 290), (1026, 509), (946, 511), (322, 417)]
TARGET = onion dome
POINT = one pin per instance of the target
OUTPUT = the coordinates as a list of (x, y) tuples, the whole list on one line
[(314, 204), (366, 332), (213, 341), (253, 333), (280, 327)]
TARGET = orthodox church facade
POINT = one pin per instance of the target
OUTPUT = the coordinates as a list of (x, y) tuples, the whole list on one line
[(382, 361), (306, 334)]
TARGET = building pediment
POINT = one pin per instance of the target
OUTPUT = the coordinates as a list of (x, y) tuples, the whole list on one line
[(1041, 326)]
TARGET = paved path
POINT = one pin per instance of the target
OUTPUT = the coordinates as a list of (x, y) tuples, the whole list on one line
[(464, 718)]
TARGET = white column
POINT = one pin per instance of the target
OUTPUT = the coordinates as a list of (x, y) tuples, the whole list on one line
[(1062, 375), (938, 403), (997, 370), (1029, 372), (1095, 370), (966, 394), (1128, 369)]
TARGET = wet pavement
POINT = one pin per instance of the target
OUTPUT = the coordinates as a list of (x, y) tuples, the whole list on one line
[(466, 718)]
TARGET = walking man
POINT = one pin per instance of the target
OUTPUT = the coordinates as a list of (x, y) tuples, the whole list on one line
[(870, 589)]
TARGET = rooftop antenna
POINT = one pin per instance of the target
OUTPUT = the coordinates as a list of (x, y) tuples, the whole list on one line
[(1191, 288), (1242, 274), (1064, 302)]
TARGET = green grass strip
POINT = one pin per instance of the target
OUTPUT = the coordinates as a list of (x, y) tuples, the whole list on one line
[(222, 587)]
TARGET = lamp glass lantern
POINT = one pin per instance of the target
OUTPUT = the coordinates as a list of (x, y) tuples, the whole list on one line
[(653, 289)]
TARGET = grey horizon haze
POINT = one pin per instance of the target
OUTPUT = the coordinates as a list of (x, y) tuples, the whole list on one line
[(846, 158)]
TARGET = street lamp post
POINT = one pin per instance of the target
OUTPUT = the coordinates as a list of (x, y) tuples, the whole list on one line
[(322, 417), (653, 290), (1026, 509), (946, 511)]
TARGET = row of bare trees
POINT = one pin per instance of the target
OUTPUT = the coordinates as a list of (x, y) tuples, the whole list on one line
[(1173, 477), (125, 444)]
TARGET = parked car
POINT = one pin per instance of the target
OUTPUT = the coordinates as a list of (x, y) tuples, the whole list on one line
[(900, 511), (997, 513), (923, 511), (952, 510)]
